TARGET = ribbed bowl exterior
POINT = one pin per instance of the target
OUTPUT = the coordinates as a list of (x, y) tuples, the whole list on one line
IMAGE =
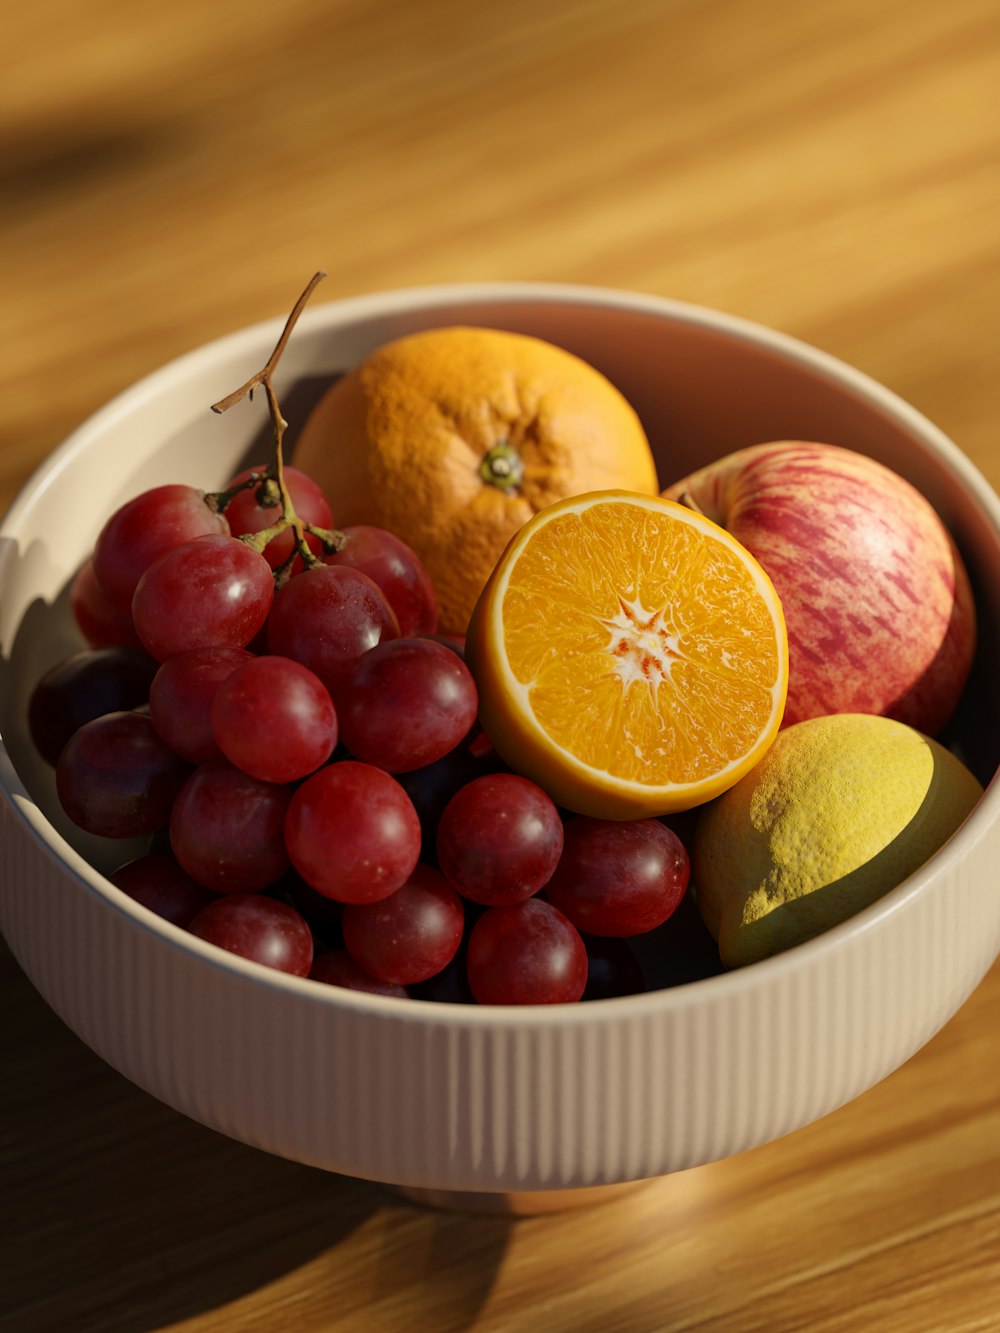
[(528, 1100), (449, 1097)]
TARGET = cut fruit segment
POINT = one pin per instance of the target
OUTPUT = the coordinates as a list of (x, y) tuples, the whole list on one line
[(630, 656)]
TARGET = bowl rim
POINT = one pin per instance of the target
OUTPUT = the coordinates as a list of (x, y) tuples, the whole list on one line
[(344, 311)]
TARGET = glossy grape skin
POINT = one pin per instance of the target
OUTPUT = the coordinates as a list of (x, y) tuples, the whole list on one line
[(326, 618), (397, 570), (526, 954), (180, 700), (352, 832), (101, 624), (612, 969), (213, 592), (405, 704), (619, 877), (274, 719), (409, 936), (499, 839), (159, 882), (116, 778), (245, 515), (338, 968), (142, 530), (86, 685), (227, 829), (258, 928)]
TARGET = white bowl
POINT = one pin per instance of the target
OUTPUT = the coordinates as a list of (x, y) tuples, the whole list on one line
[(448, 1097)]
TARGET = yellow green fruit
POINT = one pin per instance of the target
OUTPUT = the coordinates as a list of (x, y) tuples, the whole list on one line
[(839, 811)]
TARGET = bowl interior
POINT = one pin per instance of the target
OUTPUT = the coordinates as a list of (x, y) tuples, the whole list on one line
[(703, 385)]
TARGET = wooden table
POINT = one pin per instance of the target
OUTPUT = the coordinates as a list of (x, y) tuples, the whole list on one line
[(169, 174)]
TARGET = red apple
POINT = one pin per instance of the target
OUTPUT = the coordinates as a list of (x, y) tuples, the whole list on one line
[(877, 601)]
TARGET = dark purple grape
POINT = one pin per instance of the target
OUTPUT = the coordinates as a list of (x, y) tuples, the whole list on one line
[(258, 928), (499, 839), (618, 877), (526, 954), (180, 700), (142, 530), (397, 570), (227, 829), (160, 883), (352, 832), (338, 968), (213, 592), (432, 787), (116, 777), (409, 936), (449, 986), (405, 704), (612, 969), (324, 915), (326, 618), (89, 684)]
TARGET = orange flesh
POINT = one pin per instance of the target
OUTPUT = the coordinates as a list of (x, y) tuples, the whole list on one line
[(661, 628)]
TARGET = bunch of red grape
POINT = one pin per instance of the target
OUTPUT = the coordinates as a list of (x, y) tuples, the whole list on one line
[(303, 751)]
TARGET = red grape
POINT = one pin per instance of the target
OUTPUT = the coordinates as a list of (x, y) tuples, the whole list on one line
[(117, 778), (526, 954), (397, 570), (326, 618), (273, 718), (87, 685), (142, 530), (97, 620), (213, 592), (245, 514), (226, 829), (338, 968), (499, 839), (405, 704), (619, 877), (409, 936), (258, 928), (352, 832), (612, 969), (160, 883), (180, 700)]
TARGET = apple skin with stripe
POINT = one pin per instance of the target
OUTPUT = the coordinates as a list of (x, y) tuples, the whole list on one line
[(877, 601)]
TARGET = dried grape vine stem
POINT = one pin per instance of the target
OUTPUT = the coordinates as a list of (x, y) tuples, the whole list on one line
[(273, 477)]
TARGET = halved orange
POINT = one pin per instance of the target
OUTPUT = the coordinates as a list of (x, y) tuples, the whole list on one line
[(630, 656)]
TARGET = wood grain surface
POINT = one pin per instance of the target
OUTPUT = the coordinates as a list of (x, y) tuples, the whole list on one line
[(170, 173)]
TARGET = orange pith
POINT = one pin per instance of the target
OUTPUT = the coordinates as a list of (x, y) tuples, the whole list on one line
[(630, 656)]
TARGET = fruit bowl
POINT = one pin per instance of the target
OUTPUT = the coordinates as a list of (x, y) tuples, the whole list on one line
[(488, 1100)]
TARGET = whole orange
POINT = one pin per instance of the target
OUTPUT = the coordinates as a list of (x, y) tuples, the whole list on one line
[(453, 438)]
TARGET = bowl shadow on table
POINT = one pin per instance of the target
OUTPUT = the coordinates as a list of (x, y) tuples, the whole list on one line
[(134, 1217)]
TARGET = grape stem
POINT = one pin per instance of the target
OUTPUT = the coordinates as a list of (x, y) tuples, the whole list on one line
[(331, 540)]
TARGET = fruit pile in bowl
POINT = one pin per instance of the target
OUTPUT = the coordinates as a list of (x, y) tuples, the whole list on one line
[(778, 668)]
